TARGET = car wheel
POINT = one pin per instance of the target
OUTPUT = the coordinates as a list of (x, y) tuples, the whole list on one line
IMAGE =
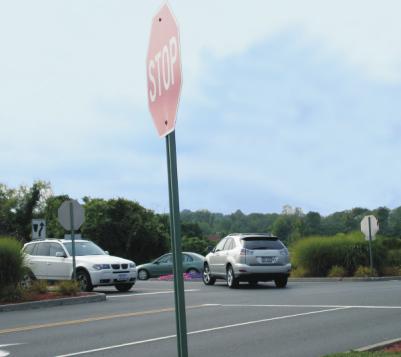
[(123, 287), (207, 276), (143, 275), (84, 281), (232, 281), (281, 282), (27, 280), (192, 271)]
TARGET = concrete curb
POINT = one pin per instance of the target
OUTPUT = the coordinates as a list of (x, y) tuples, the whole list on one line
[(94, 297), (352, 279), (378, 346)]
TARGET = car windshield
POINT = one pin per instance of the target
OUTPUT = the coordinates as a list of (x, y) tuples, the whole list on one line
[(84, 248), (261, 243)]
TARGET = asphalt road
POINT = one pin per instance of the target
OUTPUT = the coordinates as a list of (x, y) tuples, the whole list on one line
[(305, 319)]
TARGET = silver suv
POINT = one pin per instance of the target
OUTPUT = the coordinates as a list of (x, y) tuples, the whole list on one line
[(250, 257)]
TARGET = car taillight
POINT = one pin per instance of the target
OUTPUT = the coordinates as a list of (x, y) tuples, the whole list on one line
[(245, 252)]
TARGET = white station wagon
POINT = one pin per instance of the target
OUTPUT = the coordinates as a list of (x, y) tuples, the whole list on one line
[(51, 259)]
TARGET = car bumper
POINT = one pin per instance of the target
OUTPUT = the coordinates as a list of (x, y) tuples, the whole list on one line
[(103, 277), (261, 273)]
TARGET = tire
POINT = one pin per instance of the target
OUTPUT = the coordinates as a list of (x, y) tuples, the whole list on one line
[(123, 287), (143, 274), (281, 282), (232, 281), (207, 277), (27, 280), (84, 280)]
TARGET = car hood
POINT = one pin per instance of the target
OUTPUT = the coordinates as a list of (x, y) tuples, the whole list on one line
[(102, 259)]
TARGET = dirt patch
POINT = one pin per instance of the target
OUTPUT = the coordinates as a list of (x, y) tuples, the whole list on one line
[(45, 296)]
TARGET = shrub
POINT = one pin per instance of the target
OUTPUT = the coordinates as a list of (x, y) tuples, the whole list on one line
[(391, 271), (319, 254), (299, 272), (39, 287), (68, 287), (363, 272), (394, 257), (11, 293), (337, 272), (11, 264)]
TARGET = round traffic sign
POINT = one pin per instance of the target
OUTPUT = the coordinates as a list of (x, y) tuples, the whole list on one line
[(163, 69)]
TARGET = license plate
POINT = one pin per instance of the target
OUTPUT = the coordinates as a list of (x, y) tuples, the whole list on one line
[(122, 277), (268, 260)]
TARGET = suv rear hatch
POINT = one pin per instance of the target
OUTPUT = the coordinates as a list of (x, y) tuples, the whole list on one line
[(259, 251)]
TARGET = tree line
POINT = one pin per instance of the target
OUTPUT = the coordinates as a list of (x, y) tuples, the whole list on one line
[(127, 229)]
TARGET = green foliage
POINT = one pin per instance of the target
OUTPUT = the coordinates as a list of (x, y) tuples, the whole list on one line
[(195, 244), (68, 287), (299, 272), (394, 257), (391, 271), (11, 293), (125, 229), (319, 254), (39, 287), (11, 262), (364, 272), (337, 272)]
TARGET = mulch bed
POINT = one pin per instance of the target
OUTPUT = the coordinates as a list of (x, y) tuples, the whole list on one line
[(45, 296), (395, 347)]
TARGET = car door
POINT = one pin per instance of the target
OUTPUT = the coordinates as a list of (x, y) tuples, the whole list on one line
[(222, 259), (58, 268), (215, 258), (39, 261), (163, 265)]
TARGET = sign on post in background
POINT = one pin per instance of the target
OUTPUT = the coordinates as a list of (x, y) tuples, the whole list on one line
[(38, 229), (369, 227), (71, 215)]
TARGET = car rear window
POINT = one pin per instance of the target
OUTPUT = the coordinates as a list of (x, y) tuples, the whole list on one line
[(261, 243)]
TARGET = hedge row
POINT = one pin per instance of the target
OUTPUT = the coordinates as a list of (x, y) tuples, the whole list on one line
[(11, 263), (317, 255)]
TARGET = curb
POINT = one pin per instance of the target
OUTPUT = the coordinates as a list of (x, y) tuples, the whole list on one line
[(378, 346), (96, 297), (323, 280)]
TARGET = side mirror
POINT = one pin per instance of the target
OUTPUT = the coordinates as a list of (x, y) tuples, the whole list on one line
[(210, 249), (107, 252), (61, 255), (156, 262)]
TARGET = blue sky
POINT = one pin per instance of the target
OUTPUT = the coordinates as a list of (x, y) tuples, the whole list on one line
[(281, 103)]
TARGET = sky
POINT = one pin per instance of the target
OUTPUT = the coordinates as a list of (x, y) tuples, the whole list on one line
[(282, 103)]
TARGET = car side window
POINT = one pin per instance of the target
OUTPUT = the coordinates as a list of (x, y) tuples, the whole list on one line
[(186, 258), (54, 248), (229, 244), (220, 245), (43, 249), (29, 248), (167, 259)]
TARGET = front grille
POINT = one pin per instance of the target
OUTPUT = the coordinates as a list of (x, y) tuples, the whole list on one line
[(124, 266), (115, 266)]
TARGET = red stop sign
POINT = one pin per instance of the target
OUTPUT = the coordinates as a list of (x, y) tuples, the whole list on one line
[(163, 68)]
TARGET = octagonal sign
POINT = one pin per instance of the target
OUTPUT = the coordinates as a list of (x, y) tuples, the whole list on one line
[(163, 68)]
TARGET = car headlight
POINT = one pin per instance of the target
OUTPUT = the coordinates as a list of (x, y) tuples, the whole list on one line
[(101, 266), (132, 265)]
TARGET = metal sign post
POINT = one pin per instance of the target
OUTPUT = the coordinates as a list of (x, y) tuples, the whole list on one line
[(369, 227), (164, 86), (71, 215), (175, 227), (74, 273)]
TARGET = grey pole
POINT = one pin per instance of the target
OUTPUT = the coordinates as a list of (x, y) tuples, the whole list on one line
[(74, 274), (175, 228), (370, 248)]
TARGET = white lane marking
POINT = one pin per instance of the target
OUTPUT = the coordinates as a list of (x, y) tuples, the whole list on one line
[(153, 293), (4, 353), (199, 332), (313, 306)]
